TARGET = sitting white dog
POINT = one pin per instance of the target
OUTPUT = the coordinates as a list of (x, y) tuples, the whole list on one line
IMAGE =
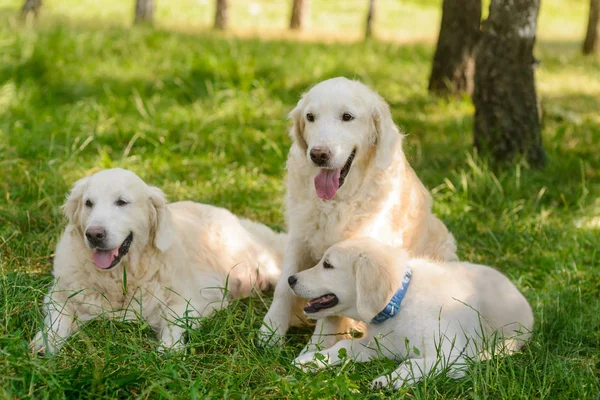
[(431, 315), (348, 177), (126, 253)]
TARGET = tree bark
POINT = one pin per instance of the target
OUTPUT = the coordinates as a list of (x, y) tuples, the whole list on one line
[(590, 45), (221, 15), (144, 11), (454, 63), (506, 114), (299, 11), (370, 19), (31, 6)]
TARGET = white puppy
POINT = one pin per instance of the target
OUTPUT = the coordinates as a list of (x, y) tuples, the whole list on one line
[(126, 253), (348, 177), (430, 315)]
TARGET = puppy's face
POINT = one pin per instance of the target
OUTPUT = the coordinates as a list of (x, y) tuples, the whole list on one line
[(355, 278), (114, 209), (331, 285), (335, 124)]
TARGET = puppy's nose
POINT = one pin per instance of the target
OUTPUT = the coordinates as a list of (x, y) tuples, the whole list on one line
[(320, 155), (292, 280), (95, 235)]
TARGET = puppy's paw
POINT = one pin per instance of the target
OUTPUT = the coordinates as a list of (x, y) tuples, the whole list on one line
[(387, 382), (169, 347), (319, 343), (311, 362), (311, 348), (379, 383), (268, 337), (41, 344), (306, 363)]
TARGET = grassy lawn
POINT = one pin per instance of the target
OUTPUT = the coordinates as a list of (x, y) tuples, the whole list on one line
[(204, 118)]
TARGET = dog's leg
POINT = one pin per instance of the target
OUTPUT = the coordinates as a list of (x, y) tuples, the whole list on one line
[(182, 314), (328, 332), (277, 321), (171, 326), (412, 370), (171, 338), (59, 323), (356, 350), (278, 318)]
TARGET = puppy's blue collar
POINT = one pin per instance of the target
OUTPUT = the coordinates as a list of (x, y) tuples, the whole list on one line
[(393, 306)]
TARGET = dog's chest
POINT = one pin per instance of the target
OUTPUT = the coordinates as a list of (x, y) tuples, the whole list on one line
[(329, 226), (124, 297), (326, 223)]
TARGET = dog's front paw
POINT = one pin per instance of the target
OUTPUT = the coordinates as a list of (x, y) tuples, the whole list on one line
[(171, 341), (312, 348), (319, 343), (310, 362), (41, 344), (386, 382), (167, 347), (268, 337), (306, 363)]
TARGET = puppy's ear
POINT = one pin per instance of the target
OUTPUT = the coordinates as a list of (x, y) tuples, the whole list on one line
[(376, 282), (72, 206), (297, 131), (387, 134), (162, 228)]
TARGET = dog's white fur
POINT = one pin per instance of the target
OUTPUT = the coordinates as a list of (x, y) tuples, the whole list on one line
[(451, 312), (186, 260), (381, 198)]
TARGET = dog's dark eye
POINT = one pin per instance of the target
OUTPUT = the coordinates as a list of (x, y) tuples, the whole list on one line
[(347, 117), (326, 265), (121, 203), (89, 204), (310, 117)]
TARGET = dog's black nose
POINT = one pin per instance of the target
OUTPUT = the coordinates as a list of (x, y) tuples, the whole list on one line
[(292, 280), (320, 155), (95, 235)]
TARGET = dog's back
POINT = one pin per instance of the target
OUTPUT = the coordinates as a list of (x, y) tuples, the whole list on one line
[(248, 253), (503, 305), (476, 293)]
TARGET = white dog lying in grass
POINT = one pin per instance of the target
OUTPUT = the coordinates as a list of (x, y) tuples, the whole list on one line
[(126, 253), (430, 315)]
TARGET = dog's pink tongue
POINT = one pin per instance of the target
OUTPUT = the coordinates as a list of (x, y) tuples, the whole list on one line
[(103, 258), (327, 182)]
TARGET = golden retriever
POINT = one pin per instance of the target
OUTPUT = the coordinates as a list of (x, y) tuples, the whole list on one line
[(429, 314), (347, 177), (126, 253)]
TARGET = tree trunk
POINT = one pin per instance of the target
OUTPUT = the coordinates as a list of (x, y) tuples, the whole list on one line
[(31, 6), (506, 114), (590, 45), (299, 11), (454, 62), (370, 19), (221, 14), (144, 10)]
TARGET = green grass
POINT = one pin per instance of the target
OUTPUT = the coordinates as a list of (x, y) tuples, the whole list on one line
[(204, 117)]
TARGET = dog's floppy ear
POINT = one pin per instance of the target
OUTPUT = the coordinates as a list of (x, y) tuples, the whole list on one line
[(162, 228), (376, 282), (72, 206), (386, 134), (297, 131)]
